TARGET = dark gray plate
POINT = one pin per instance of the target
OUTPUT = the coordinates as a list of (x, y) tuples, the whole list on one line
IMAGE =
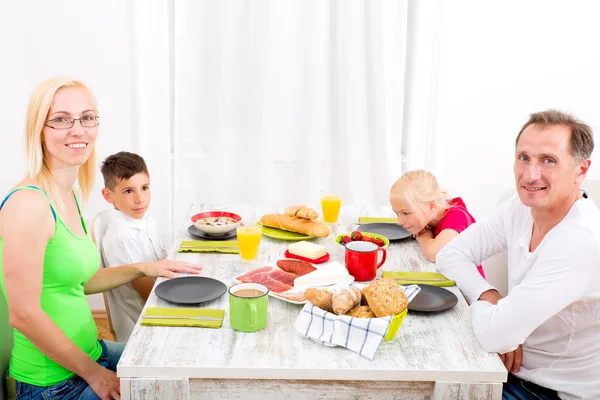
[(190, 289), (432, 299), (198, 233), (390, 230)]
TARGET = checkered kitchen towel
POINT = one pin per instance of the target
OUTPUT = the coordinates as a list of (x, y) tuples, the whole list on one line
[(361, 335)]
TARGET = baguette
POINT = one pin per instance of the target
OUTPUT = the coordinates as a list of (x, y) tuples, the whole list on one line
[(295, 224), (302, 212)]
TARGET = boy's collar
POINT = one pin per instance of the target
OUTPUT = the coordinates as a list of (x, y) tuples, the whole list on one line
[(134, 222)]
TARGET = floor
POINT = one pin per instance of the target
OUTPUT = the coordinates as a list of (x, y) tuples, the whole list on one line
[(103, 330)]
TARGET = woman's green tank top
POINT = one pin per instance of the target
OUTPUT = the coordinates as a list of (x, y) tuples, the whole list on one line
[(69, 262)]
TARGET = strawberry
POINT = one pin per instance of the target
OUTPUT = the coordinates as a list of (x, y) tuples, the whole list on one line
[(346, 239), (367, 238), (379, 242), (356, 235)]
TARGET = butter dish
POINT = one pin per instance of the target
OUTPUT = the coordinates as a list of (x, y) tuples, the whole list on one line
[(310, 260), (330, 274)]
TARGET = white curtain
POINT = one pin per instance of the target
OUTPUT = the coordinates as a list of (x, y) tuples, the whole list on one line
[(234, 101), (276, 100)]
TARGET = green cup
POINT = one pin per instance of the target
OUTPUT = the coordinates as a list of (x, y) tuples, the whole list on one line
[(248, 305)]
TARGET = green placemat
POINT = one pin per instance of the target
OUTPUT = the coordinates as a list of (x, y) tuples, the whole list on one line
[(423, 278), (218, 246), (183, 312), (282, 234), (366, 220)]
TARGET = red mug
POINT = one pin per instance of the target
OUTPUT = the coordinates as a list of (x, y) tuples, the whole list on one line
[(361, 260)]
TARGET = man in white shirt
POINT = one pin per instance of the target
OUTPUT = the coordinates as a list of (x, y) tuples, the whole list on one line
[(547, 329), (132, 236)]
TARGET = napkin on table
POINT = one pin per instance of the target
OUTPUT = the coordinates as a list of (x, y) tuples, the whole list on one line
[(187, 312), (361, 335), (417, 278), (366, 220), (218, 246)]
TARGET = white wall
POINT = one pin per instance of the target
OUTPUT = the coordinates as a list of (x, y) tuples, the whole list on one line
[(85, 39), (499, 62)]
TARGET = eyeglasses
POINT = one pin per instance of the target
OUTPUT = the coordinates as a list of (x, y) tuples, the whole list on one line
[(87, 121)]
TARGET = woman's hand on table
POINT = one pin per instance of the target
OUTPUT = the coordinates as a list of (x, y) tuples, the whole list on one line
[(105, 383), (168, 268)]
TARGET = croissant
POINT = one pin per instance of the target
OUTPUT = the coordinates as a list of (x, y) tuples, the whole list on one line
[(295, 224), (346, 299), (302, 212)]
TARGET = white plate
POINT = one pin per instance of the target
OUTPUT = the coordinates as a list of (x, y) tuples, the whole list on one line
[(291, 291)]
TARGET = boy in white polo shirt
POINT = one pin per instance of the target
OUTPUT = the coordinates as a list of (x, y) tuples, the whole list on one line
[(132, 237)]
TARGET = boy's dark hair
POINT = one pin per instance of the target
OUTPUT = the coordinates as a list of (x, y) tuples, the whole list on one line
[(122, 166)]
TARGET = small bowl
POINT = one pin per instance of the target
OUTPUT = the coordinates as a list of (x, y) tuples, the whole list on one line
[(215, 230), (395, 325), (386, 241)]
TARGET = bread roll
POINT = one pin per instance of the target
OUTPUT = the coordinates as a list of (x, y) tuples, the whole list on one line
[(385, 297), (345, 299), (301, 212), (319, 298), (295, 224), (361, 312)]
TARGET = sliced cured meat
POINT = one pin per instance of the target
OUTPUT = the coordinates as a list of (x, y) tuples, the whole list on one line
[(296, 266), (282, 276), (276, 286), (261, 277), (299, 297), (247, 277)]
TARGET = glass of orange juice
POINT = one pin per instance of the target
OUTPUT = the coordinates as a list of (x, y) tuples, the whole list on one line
[(248, 238), (330, 204)]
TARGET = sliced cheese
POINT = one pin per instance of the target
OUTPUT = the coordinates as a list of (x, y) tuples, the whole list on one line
[(307, 250), (328, 274)]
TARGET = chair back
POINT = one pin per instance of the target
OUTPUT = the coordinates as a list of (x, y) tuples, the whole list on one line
[(496, 267), (6, 343), (119, 323), (592, 189), (100, 225)]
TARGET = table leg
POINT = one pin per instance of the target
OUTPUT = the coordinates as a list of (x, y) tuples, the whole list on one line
[(467, 391), (158, 388)]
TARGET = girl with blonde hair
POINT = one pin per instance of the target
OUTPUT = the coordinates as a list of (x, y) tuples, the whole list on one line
[(426, 211), (48, 261)]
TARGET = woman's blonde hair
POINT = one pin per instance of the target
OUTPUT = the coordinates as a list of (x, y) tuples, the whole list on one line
[(418, 188), (37, 163)]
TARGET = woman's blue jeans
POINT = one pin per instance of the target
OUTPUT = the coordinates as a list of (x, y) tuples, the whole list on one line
[(74, 387)]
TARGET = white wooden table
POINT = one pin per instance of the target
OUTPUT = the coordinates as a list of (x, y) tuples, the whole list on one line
[(434, 356)]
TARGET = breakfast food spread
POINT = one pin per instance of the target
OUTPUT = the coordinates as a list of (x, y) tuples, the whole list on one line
[(345, 300), (384, 297), (308, 250), (319, 298), (296, 224), (296, 267), (301, 212), (361, 312), (277, 279), (324, 276), (359, 236), (215, 221)]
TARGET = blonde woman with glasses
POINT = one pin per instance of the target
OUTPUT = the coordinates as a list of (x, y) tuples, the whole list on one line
[(48, 262)]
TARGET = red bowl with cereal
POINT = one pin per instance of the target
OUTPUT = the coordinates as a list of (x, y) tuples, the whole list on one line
[(216, 223)]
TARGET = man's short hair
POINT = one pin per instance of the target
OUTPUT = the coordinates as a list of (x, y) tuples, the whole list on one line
[(581, 144), (122, 166)]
